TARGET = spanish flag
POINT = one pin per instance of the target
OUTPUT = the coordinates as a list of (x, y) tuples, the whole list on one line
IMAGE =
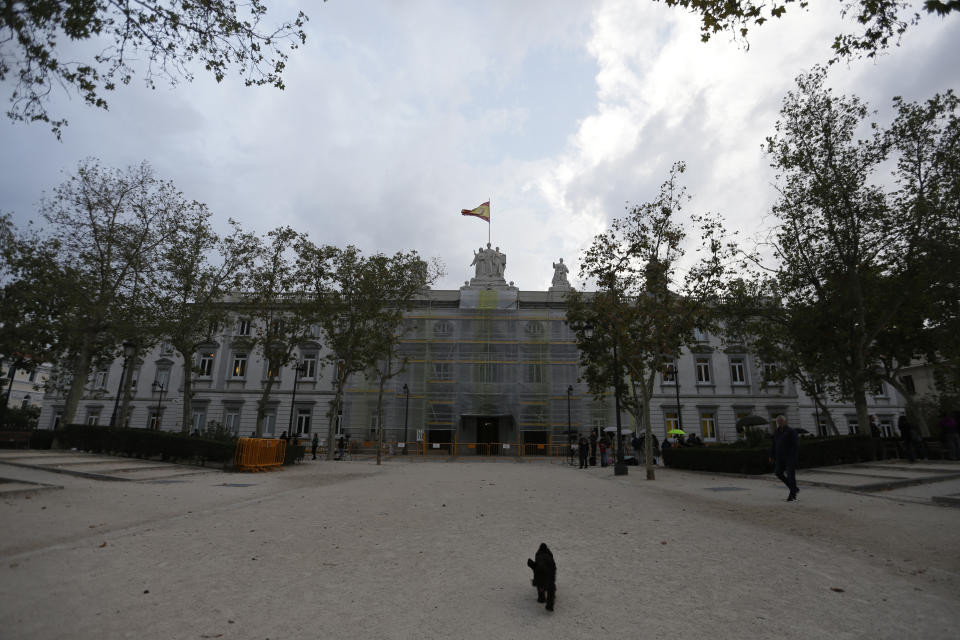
[(483, 211)]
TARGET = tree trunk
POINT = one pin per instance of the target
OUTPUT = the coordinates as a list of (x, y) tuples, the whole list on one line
[(262, 407), (380, 418), (647, 388), (187, 408), (913, 407), (127, 384), (335, 411), (81, 371)]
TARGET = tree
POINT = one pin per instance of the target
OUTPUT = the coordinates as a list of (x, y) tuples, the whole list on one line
[(279, 305), (170, 35), (644, 308), (884, 21), (853, 285), (107, 227), (196, 272), (359, 303)]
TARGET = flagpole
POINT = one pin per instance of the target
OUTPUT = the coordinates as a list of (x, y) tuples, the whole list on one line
[(489, 206)]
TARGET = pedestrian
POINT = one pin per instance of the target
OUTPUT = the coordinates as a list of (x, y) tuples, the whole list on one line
[(637, 443), (654, 447), (874, 427), (314, 444), (948, 432), (604, 443), (783, 453), (583, 448), (910, 438), (593, 448), (340, 446)]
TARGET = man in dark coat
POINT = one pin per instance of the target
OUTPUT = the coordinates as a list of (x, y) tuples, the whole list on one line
[(783, 453)]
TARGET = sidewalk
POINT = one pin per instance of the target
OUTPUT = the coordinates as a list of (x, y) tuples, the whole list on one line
[(356, 550)]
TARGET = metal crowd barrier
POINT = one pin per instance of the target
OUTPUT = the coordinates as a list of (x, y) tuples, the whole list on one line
[(259, 454)]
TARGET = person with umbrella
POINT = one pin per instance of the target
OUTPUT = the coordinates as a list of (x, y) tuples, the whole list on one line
[(784, 453)]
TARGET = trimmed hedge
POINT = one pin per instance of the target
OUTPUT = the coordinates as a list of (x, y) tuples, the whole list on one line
[(735, 458), (144, 443)]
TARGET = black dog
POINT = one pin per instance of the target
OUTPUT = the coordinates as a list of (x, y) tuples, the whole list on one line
[(544, 575)]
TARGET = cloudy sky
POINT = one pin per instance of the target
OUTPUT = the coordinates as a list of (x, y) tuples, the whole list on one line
[(399, 114)]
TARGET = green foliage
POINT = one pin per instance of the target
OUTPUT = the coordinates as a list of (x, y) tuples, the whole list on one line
[(169, 35), (19, 419), (882, 22), (144, 443), (644, 310), (861, 283)]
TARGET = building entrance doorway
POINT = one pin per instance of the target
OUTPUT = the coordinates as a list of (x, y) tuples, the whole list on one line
[(488, 436)]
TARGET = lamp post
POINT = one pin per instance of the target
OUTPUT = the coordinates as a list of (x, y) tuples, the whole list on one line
[(129, 349), (293, 400), (406, 415), (158, 386), (569, 432)]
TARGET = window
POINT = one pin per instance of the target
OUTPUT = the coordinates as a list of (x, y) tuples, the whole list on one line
[(243, 327), (239, 366), (908, 384), (314, 331), (33, 376), (534, 329), (851, 426), (338, 428), (303, 421), (273, 371), (879, 391), (231, 421), (738, 372), (700, 335), (670, 372), (886, 428), (99, 381), (442, 328), (373, 424), (771, 372), (441, 371), (703, 370), (154, 420), (671, 420), (269, 423), (821, 424), (198, 421), (135, 377), (535, 373), (309, 366), (57, 419), (166, 348), (25, 402), (487, 372), (93, 416), (163, 378), (708, 426), (205, 367)]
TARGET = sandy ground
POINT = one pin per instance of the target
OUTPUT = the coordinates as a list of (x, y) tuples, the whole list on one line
[(438, 550)]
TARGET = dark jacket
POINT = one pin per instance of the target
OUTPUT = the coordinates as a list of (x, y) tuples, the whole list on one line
[(786, 445)]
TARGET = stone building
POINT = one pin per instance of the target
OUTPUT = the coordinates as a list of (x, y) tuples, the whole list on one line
[(491, 369)]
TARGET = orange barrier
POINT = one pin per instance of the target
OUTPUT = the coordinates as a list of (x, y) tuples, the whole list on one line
[(259, 454)]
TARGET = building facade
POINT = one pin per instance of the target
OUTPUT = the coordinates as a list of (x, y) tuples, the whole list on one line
[(490, 369)]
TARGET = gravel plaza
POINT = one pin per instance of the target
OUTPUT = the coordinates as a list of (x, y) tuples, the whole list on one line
[(438, 549)]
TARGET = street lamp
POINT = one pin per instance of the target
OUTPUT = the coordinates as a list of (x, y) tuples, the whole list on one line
[(158, 386), (129, 349), (406, 415), (297, 370), (569, 432)]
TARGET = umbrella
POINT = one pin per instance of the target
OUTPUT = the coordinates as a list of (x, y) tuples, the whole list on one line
[(752, 421), (623, 430), (677, 432)]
